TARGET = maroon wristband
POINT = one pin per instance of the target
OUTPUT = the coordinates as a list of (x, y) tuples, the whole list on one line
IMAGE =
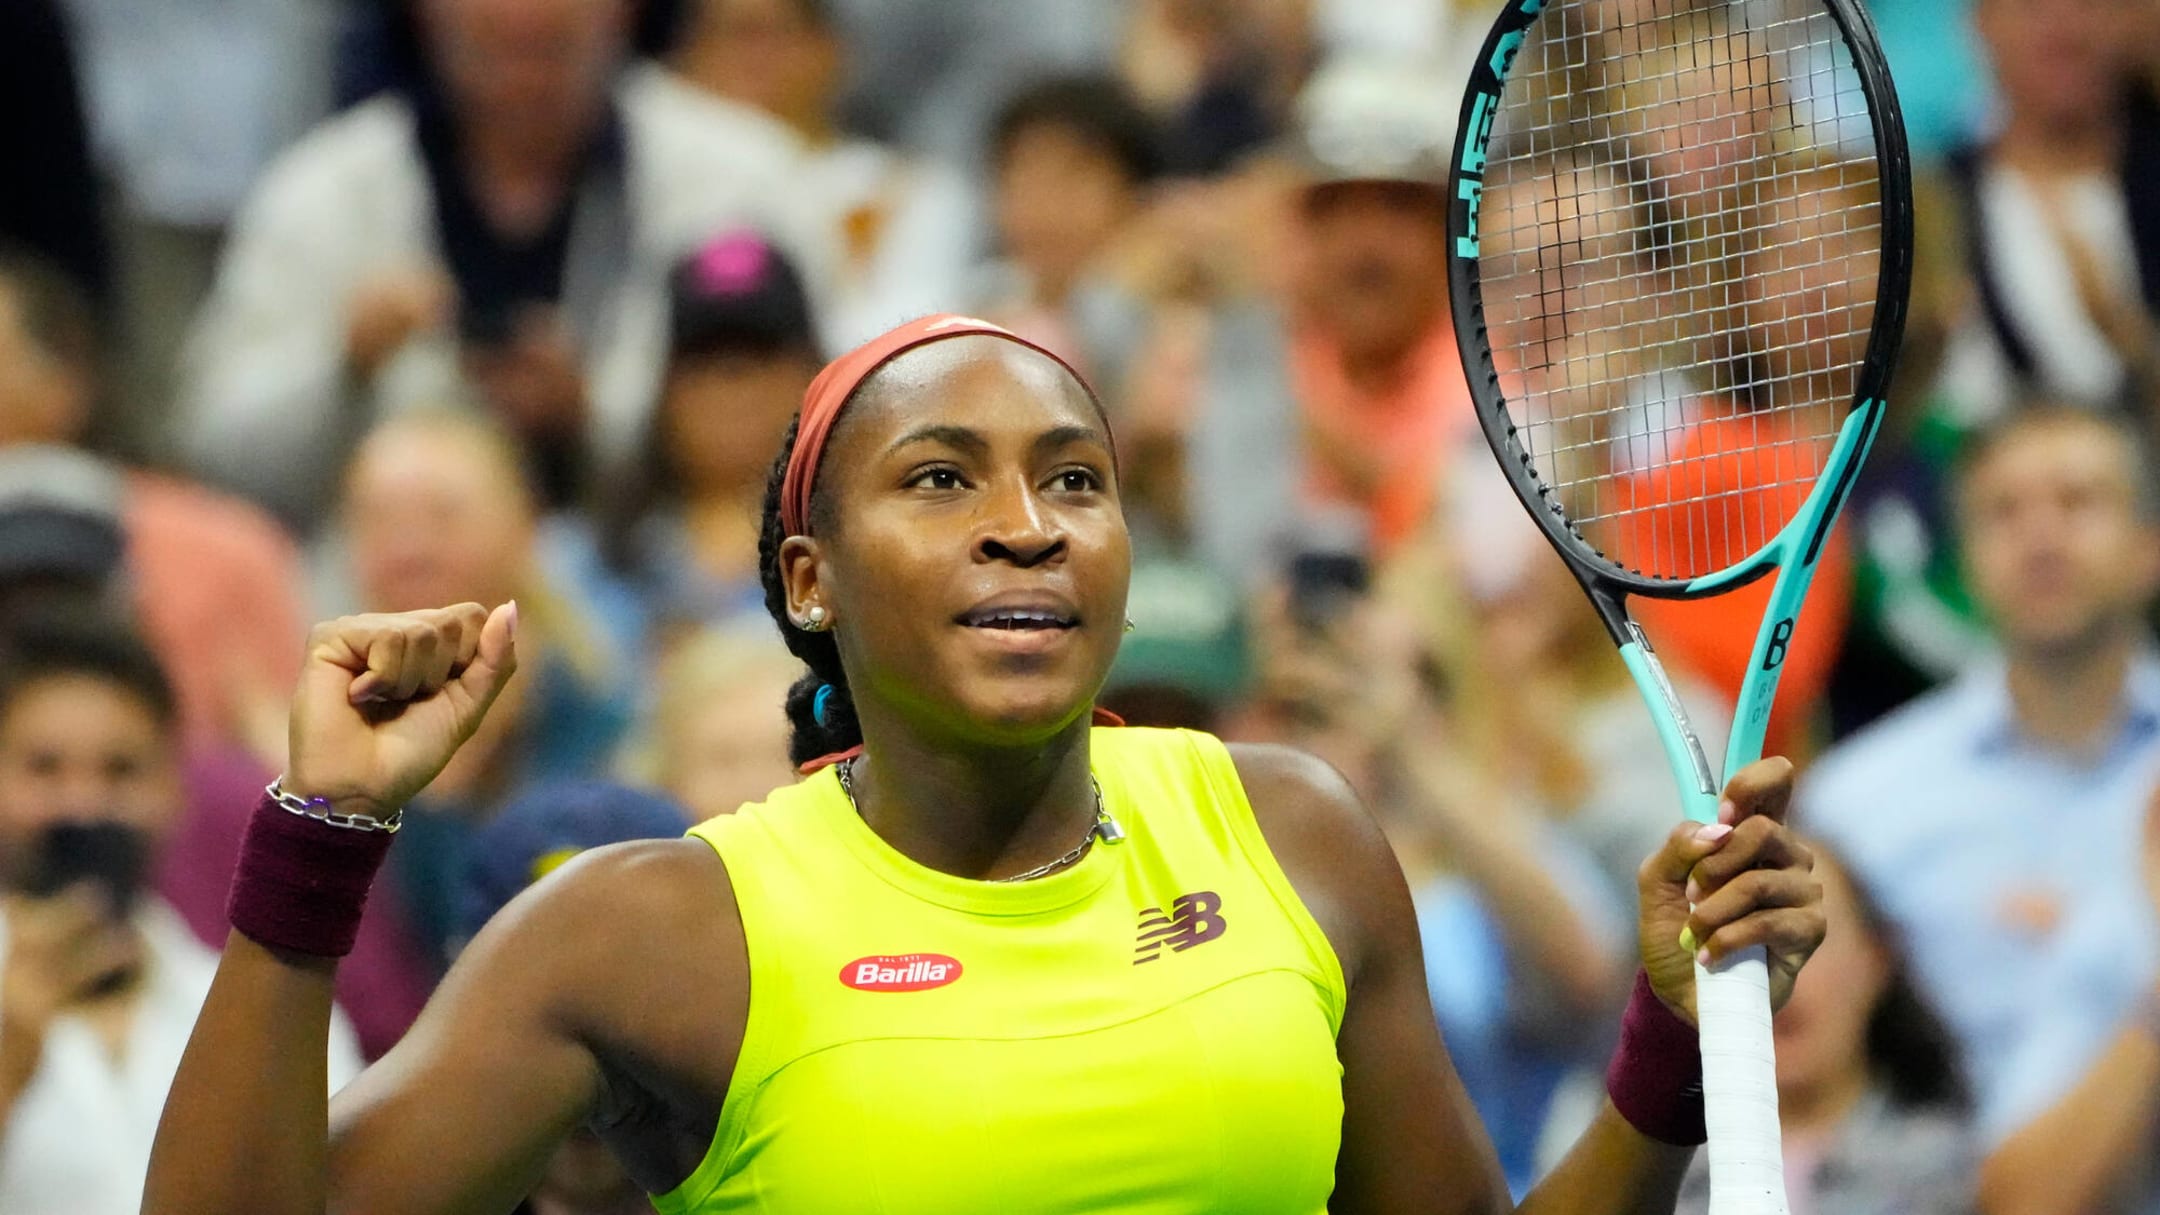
[(302, 883), (1655, 1079)]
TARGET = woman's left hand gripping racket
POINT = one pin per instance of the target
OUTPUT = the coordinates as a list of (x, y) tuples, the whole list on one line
[(1682, 241)]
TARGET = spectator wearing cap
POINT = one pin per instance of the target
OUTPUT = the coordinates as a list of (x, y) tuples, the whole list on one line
[(684, 531), (214, 587), (904, 228), (533, 836), (1185, 663), (1297, 360), (66, 550), (543, 829), (62, 541), (1382, 403), (510, 221)]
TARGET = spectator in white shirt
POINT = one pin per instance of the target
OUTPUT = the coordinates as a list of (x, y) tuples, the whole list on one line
[(100, 981), (511, 221), (2059, 226)]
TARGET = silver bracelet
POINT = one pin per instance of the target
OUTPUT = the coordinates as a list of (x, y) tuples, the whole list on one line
[(318, 808)]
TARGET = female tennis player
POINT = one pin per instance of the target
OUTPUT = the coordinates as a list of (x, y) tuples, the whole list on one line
[(986, 958)]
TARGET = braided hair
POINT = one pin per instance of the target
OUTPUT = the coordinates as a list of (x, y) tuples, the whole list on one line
[(838, 731)]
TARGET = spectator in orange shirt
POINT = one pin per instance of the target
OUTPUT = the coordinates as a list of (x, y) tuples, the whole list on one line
[(1718, 500), (1381, 397), (1805, 308), (1300, 336)]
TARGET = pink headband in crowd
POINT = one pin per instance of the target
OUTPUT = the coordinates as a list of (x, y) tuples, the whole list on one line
[(841, 377)]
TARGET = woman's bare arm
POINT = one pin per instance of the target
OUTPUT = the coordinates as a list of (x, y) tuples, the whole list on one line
[(462, 1114), (244, 1127)]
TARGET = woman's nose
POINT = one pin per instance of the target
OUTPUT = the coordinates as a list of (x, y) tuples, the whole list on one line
[(1018, 529)]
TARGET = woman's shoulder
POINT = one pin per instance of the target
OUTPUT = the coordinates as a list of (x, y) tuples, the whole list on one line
[(651, 880), (661, 907), (635, 952), (1329, 846), (1295, 782)]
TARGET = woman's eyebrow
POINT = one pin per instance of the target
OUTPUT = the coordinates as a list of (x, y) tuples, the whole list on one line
[(1064, 436), (972, 442), (958, 437)]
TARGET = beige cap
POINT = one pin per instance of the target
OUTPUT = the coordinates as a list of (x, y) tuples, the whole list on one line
[(1377, 120)]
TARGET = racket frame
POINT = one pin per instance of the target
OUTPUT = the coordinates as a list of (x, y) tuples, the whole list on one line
[(1797, 547), (1732, 998)]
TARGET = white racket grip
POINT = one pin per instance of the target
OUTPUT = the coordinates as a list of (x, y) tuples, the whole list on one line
[(1740, 1111)]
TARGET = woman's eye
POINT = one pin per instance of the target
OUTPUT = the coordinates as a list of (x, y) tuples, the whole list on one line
[(1078, 480), (937, 478)]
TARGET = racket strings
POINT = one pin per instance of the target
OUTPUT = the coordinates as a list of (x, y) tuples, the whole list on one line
[(1677, 261)]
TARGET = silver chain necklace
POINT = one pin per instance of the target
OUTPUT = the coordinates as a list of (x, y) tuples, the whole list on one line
[(1104, 828)]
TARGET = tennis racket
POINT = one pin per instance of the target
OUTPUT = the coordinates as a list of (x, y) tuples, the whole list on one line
[(1681, 246)]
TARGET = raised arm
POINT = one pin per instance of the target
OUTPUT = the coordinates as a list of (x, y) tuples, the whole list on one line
[(458, 1117), (1412, 1143)]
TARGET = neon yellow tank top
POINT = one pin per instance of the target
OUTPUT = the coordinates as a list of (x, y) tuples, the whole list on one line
[(1151, 1031)]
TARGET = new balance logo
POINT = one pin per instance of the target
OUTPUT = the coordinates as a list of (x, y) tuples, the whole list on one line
[(1193, 919)]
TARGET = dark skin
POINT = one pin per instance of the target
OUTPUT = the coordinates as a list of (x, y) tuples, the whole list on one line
[(614, 993)]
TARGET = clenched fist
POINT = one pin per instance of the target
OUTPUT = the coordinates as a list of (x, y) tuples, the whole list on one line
[(385, 700)]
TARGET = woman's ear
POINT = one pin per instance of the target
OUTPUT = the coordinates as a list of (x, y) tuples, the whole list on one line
[(801, 570)]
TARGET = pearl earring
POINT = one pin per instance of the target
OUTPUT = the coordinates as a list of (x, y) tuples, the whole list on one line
[(814, 619)]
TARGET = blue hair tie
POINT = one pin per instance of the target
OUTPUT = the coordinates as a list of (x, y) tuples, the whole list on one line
[(817, 707)]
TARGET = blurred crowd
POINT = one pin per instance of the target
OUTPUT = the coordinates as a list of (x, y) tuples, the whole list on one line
[(318, 306)]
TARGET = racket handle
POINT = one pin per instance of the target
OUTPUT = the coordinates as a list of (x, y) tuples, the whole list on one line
[(1747, 1161)]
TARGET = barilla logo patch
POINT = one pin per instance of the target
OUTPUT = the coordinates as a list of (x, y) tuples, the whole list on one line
[(900, 972)]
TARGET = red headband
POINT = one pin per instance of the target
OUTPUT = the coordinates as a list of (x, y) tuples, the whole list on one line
[(830, 391)]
